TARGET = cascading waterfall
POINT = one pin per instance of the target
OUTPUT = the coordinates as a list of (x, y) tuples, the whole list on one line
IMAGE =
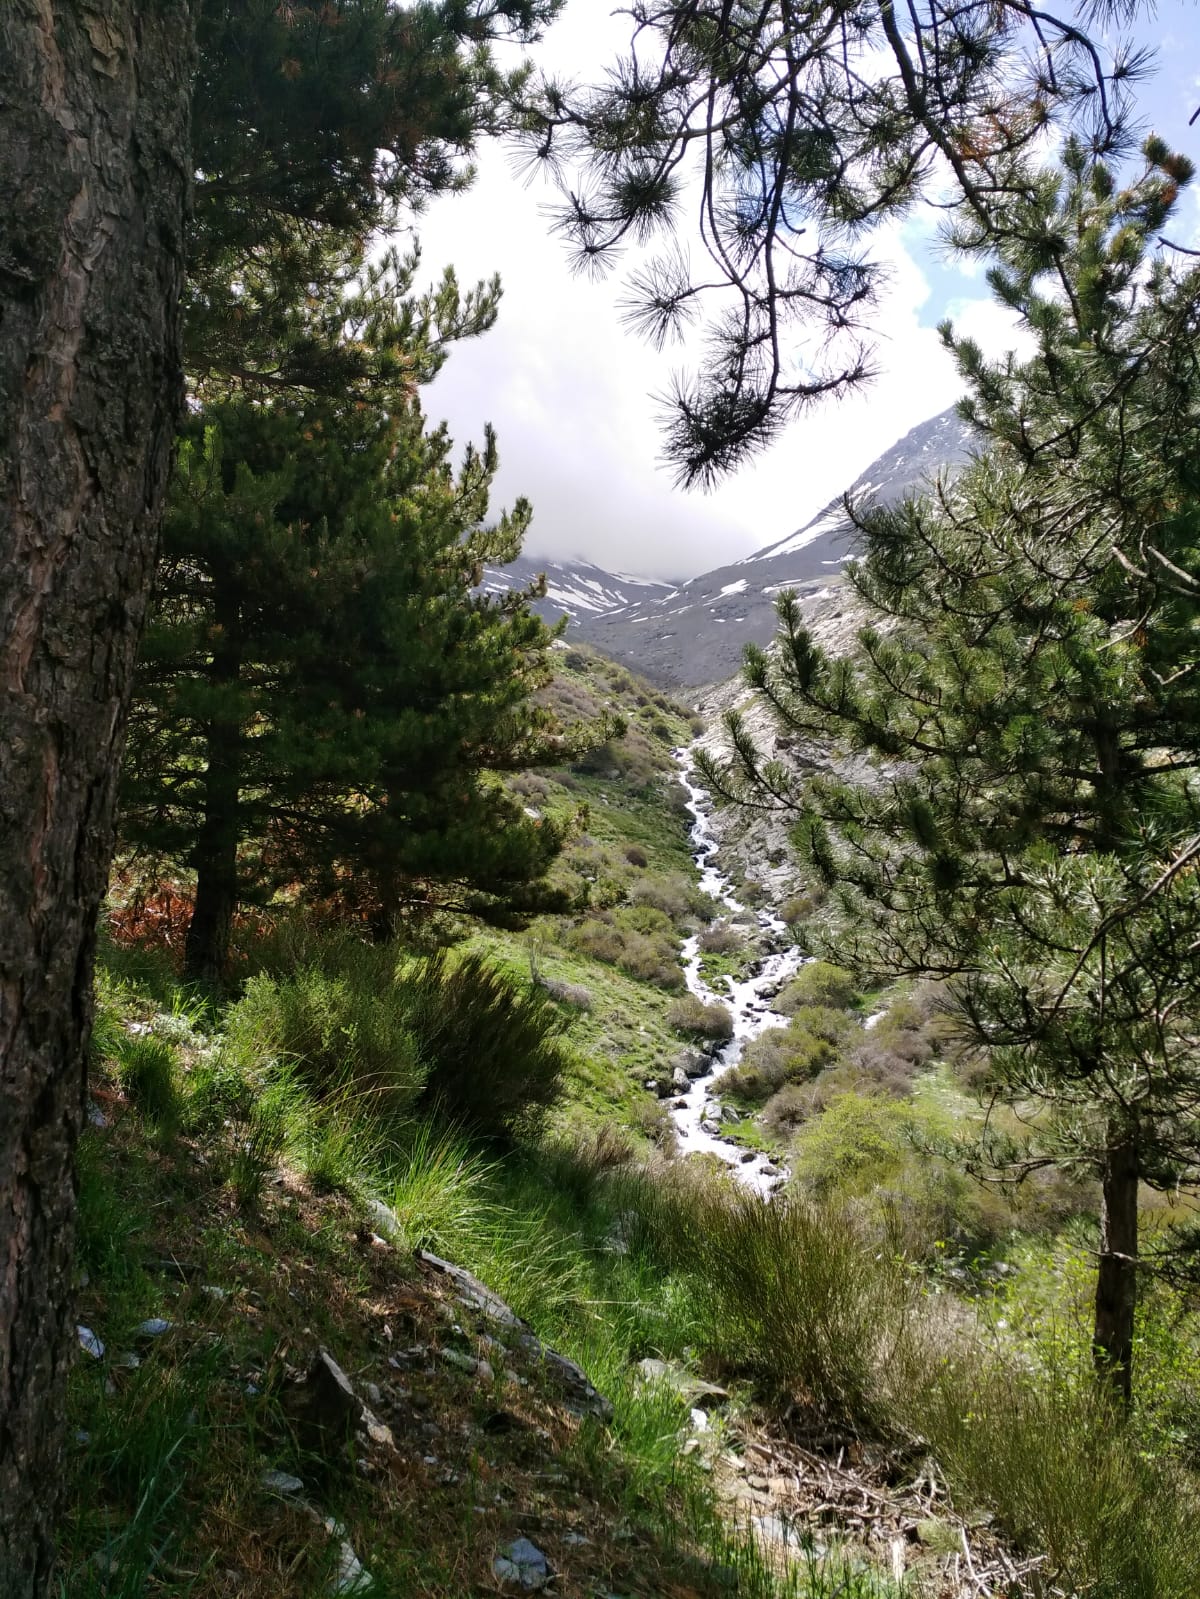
[(693, 1111)]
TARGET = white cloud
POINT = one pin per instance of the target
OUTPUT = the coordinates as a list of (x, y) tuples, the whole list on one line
[(569, 389)]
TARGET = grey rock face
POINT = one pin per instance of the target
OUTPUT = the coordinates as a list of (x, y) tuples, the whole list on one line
[(694, 633), (578, 1393)]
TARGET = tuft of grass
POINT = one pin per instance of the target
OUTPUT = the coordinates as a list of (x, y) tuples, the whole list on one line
[(788, 1292), (437, 1191), (146, 1070), (1057, 1466)]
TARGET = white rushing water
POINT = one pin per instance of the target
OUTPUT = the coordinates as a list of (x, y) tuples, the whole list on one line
[(693, 1111)]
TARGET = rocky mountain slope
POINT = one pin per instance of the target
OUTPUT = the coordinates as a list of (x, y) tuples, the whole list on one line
[(575, 589), (694, 634)]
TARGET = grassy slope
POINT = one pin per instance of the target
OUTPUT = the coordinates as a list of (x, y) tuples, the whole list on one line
[(189, 1216), (165, 1477)]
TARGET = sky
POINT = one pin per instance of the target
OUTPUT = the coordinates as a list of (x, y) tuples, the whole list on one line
[(571, 391)]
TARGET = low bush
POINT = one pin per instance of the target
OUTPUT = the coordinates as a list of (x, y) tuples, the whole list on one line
[(643, 918), (599, 940), (780, 1055), (691, 1015), (721, 938), (666, 894), (797, 908), (788, 1108), (345, 1028), (652, 960), (650, 957), (912, 1028), (653, 1120), (819, 983), (572, 994), (491, 1045), (636, 856)]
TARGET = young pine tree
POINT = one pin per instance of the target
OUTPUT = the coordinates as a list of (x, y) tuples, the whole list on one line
[(321, 697), (1027, 692)]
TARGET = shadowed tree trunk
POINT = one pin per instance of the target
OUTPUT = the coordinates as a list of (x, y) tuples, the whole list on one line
[(1116, 1278), (206, 948), (93, 183)]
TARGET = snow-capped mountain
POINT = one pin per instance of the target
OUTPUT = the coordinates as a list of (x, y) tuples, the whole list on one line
[(695, 634), (576, 589), (691, 634)]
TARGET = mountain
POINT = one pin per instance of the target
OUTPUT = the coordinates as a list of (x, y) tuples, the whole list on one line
[(576, 589), (694, 634)]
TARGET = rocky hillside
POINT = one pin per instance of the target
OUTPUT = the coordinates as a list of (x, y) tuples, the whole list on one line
[(694, 634), (575, 589)]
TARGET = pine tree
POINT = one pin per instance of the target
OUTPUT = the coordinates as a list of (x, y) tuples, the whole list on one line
[(1028, 694), (321, 696), (93, 193), (98, 151), (790, 132), (315, 129)]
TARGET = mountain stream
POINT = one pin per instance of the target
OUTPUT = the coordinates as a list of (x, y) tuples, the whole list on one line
[(696, 1112)]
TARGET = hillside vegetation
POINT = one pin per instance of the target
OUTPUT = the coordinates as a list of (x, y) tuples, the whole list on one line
[(875, 1384)]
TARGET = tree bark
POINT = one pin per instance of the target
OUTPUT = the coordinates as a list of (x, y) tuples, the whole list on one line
[(93, 186), (1116, 1280)]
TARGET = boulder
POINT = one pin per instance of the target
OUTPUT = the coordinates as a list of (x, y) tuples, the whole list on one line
[(522, 1565)]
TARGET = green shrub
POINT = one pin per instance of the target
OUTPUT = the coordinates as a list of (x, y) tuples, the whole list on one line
[(341, 1028), (858, 1138), (492, 1045), (819, 983), (146, 1070), (911, 1028), (652, 960), (778, 1056), (666, 894), (787, 1291), (642, 918), (636, 856), (219, 1090), (688, 1014), (599, 940)]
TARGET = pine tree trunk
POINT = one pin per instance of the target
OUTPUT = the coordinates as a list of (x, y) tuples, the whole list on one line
[(1116, 1280), (93, 185), (206, 948)]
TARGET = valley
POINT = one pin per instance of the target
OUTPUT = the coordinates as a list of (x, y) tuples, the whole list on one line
[(706, 1061)]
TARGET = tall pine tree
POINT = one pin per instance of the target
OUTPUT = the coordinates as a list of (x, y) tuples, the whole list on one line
[(1028, 692), (322, 698)]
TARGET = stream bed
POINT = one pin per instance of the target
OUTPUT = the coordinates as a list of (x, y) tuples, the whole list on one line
[(696, 1112)]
